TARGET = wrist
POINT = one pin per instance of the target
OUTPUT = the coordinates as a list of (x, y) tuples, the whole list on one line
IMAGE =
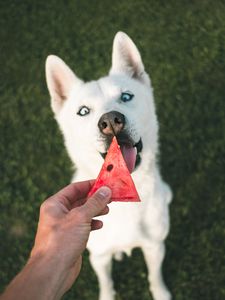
[(53, 258)]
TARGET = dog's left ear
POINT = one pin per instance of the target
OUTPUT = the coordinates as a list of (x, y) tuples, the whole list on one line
[(127, 59)]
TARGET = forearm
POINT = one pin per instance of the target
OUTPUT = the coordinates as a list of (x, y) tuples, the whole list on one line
[(40, 279)]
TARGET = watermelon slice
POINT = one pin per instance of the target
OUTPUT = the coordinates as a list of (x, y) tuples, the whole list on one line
[(115, 174)]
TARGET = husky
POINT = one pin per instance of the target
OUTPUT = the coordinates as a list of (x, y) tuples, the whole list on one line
[(89, 114)]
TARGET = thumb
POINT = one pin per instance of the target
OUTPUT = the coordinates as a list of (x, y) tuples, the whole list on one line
[(97, 202)]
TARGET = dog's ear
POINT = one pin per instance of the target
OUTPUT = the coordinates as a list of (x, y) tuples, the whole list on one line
[(127, 59), (60, 81)]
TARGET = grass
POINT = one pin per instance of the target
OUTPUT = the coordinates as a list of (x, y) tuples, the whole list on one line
[(183, 48)]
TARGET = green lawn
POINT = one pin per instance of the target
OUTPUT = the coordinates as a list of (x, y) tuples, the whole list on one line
[(183, 48)]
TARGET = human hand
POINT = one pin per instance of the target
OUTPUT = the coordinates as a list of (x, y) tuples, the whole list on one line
[(65, 222)]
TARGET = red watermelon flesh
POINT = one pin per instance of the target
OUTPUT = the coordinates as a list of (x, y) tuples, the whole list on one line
[(115, 174)]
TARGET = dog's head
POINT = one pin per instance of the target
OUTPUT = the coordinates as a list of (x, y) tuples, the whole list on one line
[(121, 104)]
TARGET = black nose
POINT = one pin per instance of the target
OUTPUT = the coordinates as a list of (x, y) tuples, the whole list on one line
[(111, 123)]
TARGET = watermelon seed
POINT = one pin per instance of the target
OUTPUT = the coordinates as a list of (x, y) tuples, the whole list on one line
[(109, 168)]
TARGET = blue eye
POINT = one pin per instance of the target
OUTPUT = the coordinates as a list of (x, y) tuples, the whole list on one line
[(127, 96), (84, 110)]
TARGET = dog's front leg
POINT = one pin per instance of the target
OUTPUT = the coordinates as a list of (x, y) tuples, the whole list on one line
[(154, 254), (102, 265)]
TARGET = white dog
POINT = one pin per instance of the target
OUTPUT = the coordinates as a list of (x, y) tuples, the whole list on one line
[(88, 115)]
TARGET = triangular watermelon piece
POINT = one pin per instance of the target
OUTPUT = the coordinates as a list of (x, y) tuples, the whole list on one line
[(115, 174)]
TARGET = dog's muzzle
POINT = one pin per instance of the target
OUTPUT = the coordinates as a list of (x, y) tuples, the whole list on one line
[(112, 124)]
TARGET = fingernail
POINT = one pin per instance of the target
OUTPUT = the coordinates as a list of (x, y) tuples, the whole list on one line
[(104, 192)]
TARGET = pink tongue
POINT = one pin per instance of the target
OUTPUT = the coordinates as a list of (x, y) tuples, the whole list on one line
[(129, 155)]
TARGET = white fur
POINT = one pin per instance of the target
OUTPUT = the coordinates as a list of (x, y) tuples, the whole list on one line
[(128, 225)]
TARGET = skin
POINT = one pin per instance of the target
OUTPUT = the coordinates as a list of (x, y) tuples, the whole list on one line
[(65, 222)]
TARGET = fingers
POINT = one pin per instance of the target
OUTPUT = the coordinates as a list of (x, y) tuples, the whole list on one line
[(97, 203), (74, 192), (105, 211), (96, 224), (81, 202)]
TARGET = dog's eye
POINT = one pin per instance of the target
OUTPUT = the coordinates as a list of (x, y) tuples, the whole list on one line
[(83, 111), (127, 96)]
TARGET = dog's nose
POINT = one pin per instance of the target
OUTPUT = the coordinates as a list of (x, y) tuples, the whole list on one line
[(111, 123)]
